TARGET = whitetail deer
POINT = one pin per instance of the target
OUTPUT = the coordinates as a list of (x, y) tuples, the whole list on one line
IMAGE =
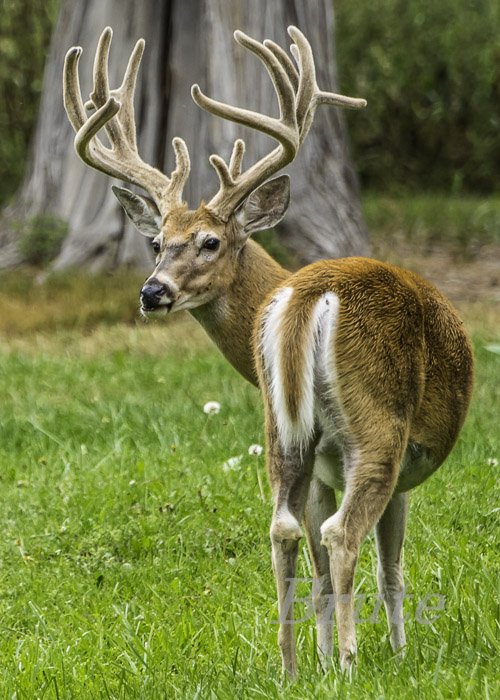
[(365, 369)]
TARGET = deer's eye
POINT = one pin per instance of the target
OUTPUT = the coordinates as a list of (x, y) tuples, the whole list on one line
[(211, 244), (156, 247)]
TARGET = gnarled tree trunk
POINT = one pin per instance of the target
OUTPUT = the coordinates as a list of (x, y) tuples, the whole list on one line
[(187, 41)]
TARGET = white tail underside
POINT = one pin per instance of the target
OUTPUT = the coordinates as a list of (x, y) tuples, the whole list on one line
[(318, 363)]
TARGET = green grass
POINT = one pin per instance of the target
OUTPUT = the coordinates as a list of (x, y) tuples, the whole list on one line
[(463, 222), (69, 300), (132, 565)]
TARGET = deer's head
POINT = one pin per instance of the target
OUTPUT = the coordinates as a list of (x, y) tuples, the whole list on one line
[(197, 250)]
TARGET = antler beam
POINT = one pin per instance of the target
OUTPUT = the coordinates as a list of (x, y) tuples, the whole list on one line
[(298, 96)]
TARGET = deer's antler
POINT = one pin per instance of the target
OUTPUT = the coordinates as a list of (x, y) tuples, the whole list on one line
[(298, 96), (114, 110)]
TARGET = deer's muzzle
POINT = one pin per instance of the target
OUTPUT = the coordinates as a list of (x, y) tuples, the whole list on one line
[(155, 294)]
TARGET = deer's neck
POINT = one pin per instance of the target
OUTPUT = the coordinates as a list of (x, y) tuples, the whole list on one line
[(229, 319)]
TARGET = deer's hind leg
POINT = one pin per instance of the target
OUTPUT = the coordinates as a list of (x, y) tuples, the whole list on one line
[(321, 504), (370, 480), (389, 535), (290, 475)]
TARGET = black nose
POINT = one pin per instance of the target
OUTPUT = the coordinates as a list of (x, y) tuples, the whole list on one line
[(152, 293)]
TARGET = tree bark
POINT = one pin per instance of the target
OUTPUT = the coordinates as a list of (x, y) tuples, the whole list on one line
[(187, 41)]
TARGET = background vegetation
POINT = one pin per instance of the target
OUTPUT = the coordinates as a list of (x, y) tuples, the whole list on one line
[(428, 69), (430, 72)]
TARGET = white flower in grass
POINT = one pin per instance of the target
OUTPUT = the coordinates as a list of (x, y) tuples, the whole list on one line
[(232, 464), (492, 462), (211, 408), (255, 450)]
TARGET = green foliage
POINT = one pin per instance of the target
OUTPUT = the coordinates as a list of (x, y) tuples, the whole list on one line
[(429, 71), (132, 565), (25, 29), (40, 238)]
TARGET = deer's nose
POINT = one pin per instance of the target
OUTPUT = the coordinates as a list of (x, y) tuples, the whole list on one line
[(153, 292)]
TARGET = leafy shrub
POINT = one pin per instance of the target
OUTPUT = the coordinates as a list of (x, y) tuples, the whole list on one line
[(40, 238), (429, 71)]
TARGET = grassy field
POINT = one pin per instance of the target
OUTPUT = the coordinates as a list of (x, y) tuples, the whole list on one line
[(135, 563)]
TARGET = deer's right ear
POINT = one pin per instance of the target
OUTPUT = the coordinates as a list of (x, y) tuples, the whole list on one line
[(142, 212)]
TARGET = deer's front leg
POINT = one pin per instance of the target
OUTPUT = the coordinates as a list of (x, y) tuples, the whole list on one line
[(290, 475)]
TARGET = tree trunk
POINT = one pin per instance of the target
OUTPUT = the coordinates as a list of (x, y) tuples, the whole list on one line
[(187, 41)]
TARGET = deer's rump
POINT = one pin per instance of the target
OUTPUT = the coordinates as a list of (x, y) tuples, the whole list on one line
[(365, 356)]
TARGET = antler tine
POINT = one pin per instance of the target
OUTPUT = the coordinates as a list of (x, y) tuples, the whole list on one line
[(125, 93), (72, 94), (281, 81), (285, 61), (226, 180), (302, 51), (236, 158), (115, 112), (228, 174), (178, 178), (100, 92), (307, 75), (309, 96)]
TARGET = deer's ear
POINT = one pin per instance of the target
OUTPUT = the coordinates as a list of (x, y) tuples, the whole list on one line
[(142, 212), (265, 206)]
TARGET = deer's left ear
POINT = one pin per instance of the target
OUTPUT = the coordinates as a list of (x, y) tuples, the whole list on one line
[(141, 211), (265, 206)]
